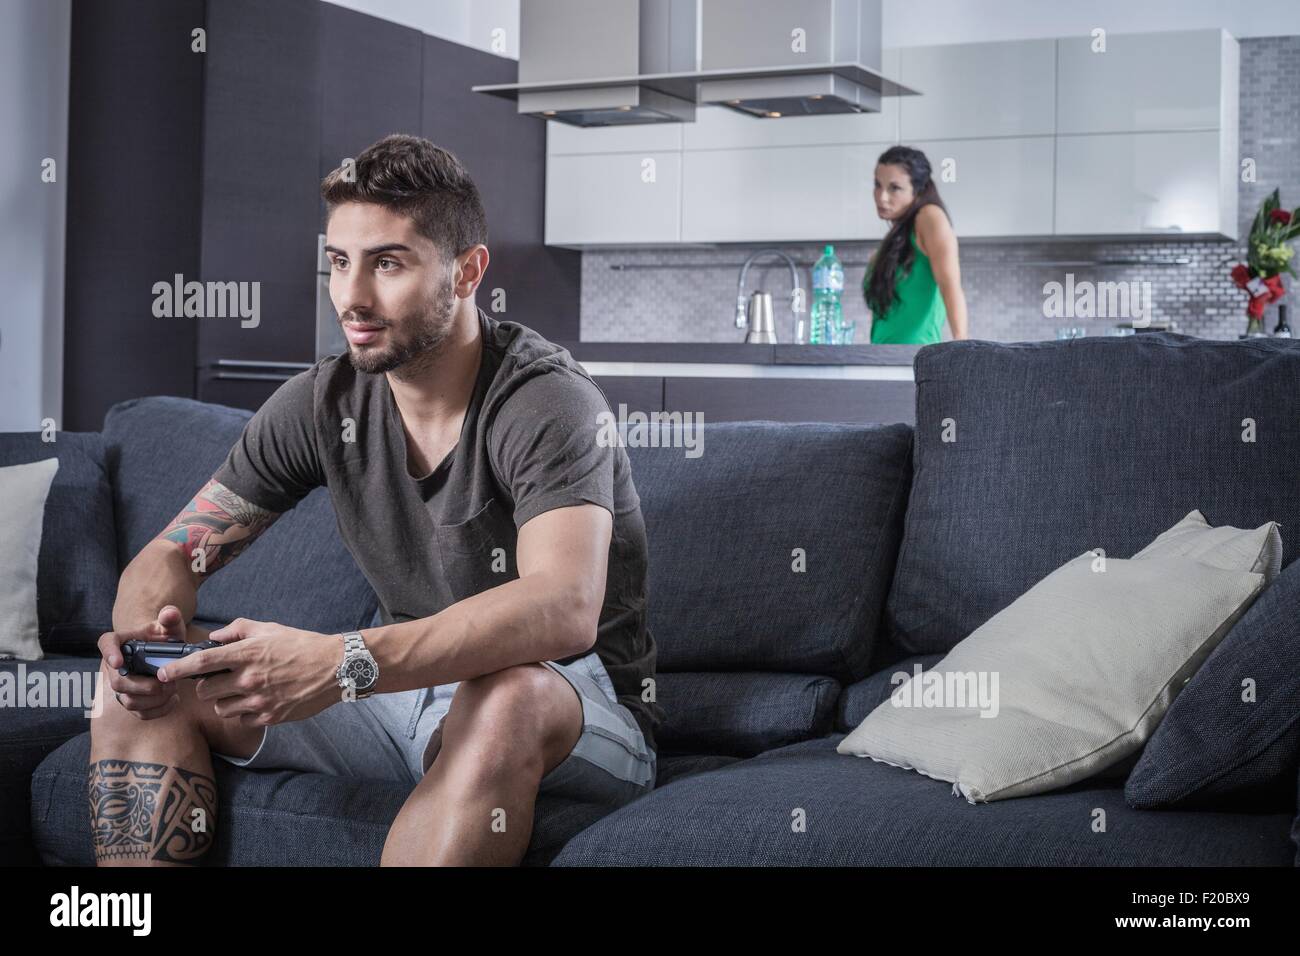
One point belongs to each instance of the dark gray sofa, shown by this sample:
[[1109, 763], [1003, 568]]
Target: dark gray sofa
[[793, 569]]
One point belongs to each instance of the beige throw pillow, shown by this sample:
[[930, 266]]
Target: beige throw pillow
[[1069, 679], [23, 490], [1254, 549]]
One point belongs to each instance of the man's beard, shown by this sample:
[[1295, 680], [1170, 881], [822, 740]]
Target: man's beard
[[428, 331]]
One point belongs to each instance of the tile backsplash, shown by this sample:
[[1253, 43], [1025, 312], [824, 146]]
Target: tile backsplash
[[688, 294]]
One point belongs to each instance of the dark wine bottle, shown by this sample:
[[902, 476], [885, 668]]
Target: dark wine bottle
[[1283, 331]]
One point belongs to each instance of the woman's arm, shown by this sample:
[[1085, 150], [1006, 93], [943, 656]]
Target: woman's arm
[[937, 240]]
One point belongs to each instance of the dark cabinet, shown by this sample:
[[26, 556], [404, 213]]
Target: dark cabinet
[[318, 83], [291, 94], [261, 155], [505, 154], [132, 170], [765, 399], [371, 73], [638, 393], [208, 165], [792, 399]]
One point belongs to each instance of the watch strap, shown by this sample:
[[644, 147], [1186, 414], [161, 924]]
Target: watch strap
[[353, 646]]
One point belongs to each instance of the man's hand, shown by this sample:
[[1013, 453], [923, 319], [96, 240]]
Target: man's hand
[[277, 673], [142, 695]]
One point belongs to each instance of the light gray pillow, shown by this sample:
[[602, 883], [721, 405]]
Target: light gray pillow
[[1254, 549], [1076, 674], [23, 490]]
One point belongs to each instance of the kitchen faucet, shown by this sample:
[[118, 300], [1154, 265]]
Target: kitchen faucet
[[796, 293]]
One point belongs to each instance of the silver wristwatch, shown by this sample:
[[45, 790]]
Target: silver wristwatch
[[358, 669]]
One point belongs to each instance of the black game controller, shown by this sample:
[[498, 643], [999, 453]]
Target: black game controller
[[145, 657]]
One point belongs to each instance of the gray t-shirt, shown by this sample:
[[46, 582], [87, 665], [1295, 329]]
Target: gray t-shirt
[[528, 444]]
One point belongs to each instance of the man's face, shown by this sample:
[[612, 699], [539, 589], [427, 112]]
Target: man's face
[[392, 290]]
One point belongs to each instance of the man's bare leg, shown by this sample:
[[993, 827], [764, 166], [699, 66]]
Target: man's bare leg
[[153, 800], [503, 733]]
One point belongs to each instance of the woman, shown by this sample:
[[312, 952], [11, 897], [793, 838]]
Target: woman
[[913, 281]]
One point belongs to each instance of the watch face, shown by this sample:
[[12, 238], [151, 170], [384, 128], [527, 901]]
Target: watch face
[[362, 671]]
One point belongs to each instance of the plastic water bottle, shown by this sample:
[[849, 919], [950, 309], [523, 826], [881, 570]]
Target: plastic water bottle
[[827, 316]]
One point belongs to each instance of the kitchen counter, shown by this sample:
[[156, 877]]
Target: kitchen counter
[[739, 352], [732, 381], [738, 360]]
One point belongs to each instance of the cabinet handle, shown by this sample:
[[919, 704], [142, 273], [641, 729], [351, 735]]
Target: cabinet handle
[[256, 376], [255, 364]]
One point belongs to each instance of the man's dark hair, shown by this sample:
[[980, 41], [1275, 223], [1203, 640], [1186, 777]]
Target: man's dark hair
[[411, 176]]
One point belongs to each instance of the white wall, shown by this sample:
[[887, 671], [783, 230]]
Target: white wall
[[468, 22], [926, 22], [34, 117]]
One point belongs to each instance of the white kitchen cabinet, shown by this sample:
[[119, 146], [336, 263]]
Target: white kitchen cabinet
[[1002, 187], [780, 194], [1048, 138], [1146, 82], [978, 90], [610, 198], [1140, 183]]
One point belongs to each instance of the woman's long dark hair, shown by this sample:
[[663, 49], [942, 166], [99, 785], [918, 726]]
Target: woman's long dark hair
[[895, 250]]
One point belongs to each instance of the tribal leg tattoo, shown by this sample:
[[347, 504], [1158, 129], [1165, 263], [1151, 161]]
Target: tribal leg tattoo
[[147, 811]]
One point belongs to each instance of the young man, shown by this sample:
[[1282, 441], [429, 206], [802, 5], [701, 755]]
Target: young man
[[505, 542]]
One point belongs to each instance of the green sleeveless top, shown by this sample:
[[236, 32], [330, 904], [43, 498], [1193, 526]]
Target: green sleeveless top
[[917, 317]]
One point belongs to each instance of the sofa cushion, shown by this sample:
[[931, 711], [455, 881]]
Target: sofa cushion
[[28, 734], [1060, 447], [742, 713], [285, 818], [299, 573], [670, 767], [861, 698], [1070, 679], [76, 581], [75, 640], [1215, 748], [805, 805], [729, 529]]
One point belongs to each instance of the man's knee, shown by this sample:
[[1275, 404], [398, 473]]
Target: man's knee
[[528, 709], [189, 715], [113, 717], [515, 695]]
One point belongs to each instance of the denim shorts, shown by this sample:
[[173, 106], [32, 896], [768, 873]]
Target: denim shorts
[[397, 736]]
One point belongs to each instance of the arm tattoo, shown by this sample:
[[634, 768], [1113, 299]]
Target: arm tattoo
[[150, 811], [219, 525]]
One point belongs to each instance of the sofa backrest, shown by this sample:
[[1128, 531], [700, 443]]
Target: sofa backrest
[[162, 450], [1029, 454], [773, 549]]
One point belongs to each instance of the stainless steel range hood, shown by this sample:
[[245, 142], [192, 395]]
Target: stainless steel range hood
[[746, 34], [622, 62], [563, 41]]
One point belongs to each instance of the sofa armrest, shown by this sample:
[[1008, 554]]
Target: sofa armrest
[[43, 704]]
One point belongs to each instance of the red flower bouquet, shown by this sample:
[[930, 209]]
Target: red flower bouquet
[[1268, 256]]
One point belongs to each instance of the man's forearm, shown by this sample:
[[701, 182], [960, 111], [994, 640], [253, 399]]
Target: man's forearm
[[156, 577], [525, 620]]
